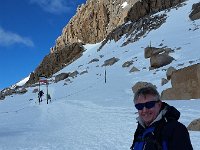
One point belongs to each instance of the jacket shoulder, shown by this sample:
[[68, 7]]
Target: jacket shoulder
[[178, 136]]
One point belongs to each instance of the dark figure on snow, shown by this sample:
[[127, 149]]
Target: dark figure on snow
[[158, 127], [40, 94]]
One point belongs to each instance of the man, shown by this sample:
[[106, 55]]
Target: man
[[40, 94], [158, 127]]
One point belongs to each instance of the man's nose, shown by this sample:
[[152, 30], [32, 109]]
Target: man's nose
[[144, 109]]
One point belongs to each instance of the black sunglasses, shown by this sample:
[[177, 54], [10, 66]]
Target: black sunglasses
[[147, 105]]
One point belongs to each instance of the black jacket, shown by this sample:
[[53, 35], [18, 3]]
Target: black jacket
[[167, 130]]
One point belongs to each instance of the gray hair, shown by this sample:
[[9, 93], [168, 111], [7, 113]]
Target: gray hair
[[146, 91]]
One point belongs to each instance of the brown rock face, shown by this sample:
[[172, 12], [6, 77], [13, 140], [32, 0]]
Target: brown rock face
[[194, 125], [185, 84], [195, 14], [160, 60], [56, 61], [141, 84], [93, 21], [145, 7]]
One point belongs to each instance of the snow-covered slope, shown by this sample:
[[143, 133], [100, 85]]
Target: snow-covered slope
[[87, 113]]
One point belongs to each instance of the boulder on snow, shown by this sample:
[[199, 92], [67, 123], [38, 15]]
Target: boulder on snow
[[185, 84], [127, 64], [61, 76], [21, 91], [134, 69], [110, 61], [164, 81], [83, 72], [140, 85], [169, 72], [94, 60], [160, 60], [150, 51], [2, 96], [194, 125], [74, 74], [195, 14], [143, 8], [35, 90]]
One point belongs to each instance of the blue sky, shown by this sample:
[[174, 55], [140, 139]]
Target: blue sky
[[28, 29]]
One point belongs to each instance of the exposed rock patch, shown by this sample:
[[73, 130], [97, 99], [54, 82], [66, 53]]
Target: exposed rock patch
[[185, 84], [150, 51], [110, 61], [169, 72], [83, 72], [160, 60], [74, 74], [139, 27], [127, 64], [134, 69], [135, 30], [158, 56], [164, 81], [195, 14], [194, 125], [93, 21], [94, 60], [61, 76], [56, 61], [146, 7], [139, 85]]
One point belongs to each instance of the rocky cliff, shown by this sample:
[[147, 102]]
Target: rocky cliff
[[97, 20], [93, 21], [91, 24]]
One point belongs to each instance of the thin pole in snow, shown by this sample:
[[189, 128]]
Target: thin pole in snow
[[105, 74], [47, 92], [38, 93]]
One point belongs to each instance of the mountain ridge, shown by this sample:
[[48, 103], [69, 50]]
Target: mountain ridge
[[165, 48], [106, 18]]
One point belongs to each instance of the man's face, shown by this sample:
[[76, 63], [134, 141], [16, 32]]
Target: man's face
[[148, 115]]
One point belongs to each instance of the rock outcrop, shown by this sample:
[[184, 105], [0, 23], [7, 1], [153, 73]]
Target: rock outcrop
[[135, 30], [140, 21], [146, 7], [10, 91], [185, 84], [93, 21], [91, 24], [61, 76], [158, 56], [195, 14], [169, 72], [194, 125], [110, 61], [160, 60], [140, 85], [56, 61]]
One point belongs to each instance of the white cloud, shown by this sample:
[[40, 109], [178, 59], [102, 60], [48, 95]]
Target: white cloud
[[53, 6], [8, 38]]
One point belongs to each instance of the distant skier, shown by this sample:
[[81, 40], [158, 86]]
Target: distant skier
[[40, 94], [158, 126]]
